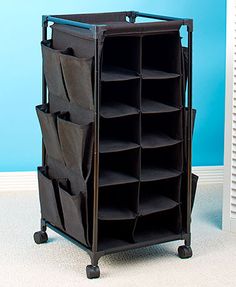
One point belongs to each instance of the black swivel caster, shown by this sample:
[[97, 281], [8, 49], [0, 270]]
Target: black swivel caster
[[40, 237], [92, 271], [185, 252]]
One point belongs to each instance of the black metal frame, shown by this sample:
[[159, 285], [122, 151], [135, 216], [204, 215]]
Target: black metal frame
[[94, 253]]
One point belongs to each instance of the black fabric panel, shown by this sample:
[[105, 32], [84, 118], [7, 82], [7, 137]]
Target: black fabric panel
[[52, 71], [186, 127], [113, 73], [78, 114], [194, 187], [77, 75], [49, 132], [152, 106], [141, 28], [75, 145], [185, 65], [80, 40], [59, 170], [96, 18], [49, 199], [72, 206], [156, 204]]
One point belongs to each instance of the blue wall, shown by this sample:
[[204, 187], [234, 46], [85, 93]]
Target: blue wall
[[20, 72]]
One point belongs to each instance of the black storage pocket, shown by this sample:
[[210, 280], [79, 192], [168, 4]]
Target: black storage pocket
[[194, 187], [77, 75], [49, 199], [49, 132], [76, 144], [72, 206], [52, 70]]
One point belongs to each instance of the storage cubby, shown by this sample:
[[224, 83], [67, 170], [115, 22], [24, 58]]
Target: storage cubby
[[118, 202], [120, 58], [119, 168], [119, 134], [113, 234], [162, 225], [161, 163], [161, 96], [160, 130], [156, 196], [120, 98], [161, 56]]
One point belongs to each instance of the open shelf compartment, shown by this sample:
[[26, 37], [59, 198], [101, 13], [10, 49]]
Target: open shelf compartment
[[161, 56], [119, 168], [119, 99], [118, 202], [118, 134], [161, 96], [161, 130], [162, 163], [157, 196], [158, 225], [119, 58], [113, 234]]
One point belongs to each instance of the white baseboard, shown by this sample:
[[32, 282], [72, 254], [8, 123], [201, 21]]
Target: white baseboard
[[27, 181], [18, 181], [209, 174]]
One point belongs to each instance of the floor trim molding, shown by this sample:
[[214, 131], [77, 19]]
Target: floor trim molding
[[27, 181], [209, 174]]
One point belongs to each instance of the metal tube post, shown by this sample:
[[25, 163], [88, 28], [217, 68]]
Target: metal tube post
[[189, 138]]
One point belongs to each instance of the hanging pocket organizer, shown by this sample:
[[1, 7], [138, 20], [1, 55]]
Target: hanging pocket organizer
[[49, 131], [77, 76], [72, 206], [49, 199], [76, 144], [65, 141], [52, 70]]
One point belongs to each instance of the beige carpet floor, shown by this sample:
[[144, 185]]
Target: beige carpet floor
[[60, 263]]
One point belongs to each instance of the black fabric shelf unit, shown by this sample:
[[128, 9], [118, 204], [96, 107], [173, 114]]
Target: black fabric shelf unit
[[115, 121]]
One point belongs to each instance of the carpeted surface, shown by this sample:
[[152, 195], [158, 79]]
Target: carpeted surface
[[60, 263]]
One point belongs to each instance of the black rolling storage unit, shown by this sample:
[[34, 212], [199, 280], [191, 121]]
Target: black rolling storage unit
[[117, 120]]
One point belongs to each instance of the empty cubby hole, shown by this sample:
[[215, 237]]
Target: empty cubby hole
[[114, 234], [160, 130], [161, 225], [162, 52], [119, 98], [118, 202], [119, 167], [122, 52], [161, 163], [119, 134], [159, 195], [161, 95]]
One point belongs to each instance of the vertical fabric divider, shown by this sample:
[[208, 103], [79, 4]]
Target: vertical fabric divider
[[140, 132]]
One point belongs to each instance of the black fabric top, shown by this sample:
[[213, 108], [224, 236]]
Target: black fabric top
[[115, 24]]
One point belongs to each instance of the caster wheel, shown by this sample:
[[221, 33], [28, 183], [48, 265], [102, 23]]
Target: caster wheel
[[40, 237], [185, 252], [92, 271]]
